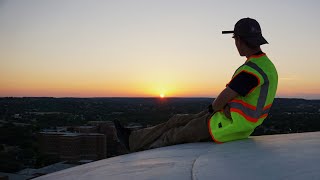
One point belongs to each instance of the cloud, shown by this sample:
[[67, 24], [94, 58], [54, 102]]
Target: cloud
[[290, 78], [287, 79]]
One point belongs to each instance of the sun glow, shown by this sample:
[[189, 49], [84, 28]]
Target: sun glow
[[162, 95]]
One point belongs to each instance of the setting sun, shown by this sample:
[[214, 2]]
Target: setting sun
[[162, 95]]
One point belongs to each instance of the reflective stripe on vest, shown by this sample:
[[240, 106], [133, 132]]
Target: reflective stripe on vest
[[248, 111]]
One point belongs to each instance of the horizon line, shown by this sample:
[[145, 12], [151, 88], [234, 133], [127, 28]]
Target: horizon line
[[134, 97]]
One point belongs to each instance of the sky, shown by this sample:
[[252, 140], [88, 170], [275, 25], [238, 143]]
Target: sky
[[144, 48]]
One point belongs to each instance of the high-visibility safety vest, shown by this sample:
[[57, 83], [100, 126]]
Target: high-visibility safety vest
[[249, 111]]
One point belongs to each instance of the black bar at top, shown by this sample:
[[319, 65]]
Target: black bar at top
[[227, 32]]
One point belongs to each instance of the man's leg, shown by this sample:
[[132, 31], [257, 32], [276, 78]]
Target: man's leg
[[194, 131], [141, 139]]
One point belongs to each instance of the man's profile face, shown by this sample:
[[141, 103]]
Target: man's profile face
[[239, 44]]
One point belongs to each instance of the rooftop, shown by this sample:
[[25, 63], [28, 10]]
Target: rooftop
[[45, 170], [286, 156]]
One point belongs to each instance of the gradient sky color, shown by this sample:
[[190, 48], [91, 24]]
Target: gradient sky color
[[142, 48]]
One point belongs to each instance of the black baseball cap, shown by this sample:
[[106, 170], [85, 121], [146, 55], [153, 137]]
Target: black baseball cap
[[249, 30]]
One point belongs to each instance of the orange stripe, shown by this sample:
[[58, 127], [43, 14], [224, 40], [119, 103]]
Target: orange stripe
[[251, 119], [255, 56], [216, 141], [264, 115], [244, 115], [249, 105], [244, 104], [267, 107]]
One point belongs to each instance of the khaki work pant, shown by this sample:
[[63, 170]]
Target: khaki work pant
[[181, 128]]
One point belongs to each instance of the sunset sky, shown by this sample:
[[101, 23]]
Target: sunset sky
[[144, 48]]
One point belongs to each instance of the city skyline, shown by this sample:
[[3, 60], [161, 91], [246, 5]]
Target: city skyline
[[149, 48]]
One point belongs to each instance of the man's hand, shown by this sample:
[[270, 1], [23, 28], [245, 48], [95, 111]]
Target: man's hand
[[210, 109], [223, 98], [226, 111]]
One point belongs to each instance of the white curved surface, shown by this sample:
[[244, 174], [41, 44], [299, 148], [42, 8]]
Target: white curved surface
[[289, 156]]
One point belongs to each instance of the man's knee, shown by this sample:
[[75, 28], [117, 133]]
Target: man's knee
[[178, 118]]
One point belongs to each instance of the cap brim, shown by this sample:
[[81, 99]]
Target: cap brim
[[227, 32], [256, 41]]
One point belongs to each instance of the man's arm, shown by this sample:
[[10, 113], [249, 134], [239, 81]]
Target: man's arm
[[241, 84], [223, 98]]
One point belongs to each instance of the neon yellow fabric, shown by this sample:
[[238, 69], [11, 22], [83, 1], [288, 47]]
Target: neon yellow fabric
[[245, 112]]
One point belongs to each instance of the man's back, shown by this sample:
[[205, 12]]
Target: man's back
[[250, 109]]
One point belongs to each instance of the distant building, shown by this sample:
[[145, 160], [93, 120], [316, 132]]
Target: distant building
[[56, 129], [107, 128], [85, 129], [70, 147], [95, 141], [93, 146], [73, 147]]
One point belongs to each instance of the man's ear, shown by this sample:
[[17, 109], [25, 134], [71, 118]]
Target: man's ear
[[239, 41]]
